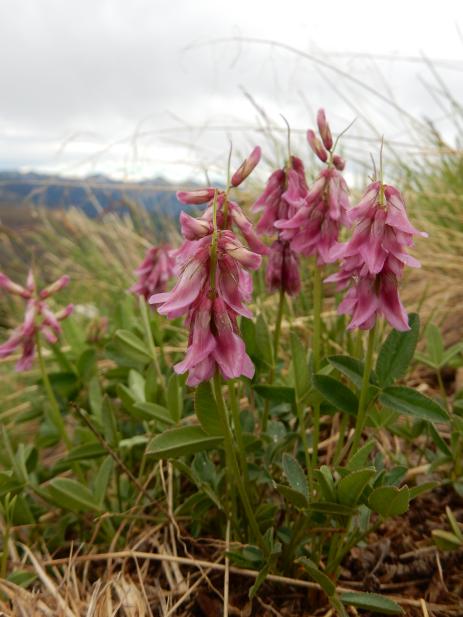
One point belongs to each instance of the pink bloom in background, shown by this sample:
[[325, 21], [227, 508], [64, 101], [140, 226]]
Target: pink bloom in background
[[211, 307], [155, 271], [374, 258], [38, 318], [314, 228], [284, 194]]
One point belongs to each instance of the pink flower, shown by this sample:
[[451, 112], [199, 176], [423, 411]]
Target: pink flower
[[314, 229], [283, 269], [212, 306], [285, 192], [374, 258], [38, 318], [154, 272]]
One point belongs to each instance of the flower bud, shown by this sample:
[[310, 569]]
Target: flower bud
[[317, 146], [54, 287], [324, 129], [339, 162], [246, 167], [200, 196]]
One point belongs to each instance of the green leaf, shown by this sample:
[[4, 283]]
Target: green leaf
[[102, 479], [371, 602], [174, 398], [451, 352], [454, 524], [206, 409], [397, 352], [446, 541], [278, 394], [434, 345], [86, 365], [22, 578], [132, 346], [351, 487], [422, 488], [264, 347], [337, 394], [335, 509], [84, 452], [326, 482], [151, 383], [389, 500], [300, 367], [152, 411], [137, 386], [412, 403], [361, 456], [352, 368], [248, 334], [182, 442], [72, 495], [295, 474], [318, 576], [292, 496]]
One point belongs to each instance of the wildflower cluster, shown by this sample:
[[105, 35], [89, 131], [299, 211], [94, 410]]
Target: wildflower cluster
[[38, 318], [214, 283]]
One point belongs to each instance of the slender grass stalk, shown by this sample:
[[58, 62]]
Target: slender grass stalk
[[363, 408], [276, 344], [316, 350], [6, 540], [235, 471], [55, 410]]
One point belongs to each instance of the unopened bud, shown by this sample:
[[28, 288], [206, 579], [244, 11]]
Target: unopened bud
[[246, 167], [317, 146], [324, 129], [54, 287], [339, 162], [200, 196]]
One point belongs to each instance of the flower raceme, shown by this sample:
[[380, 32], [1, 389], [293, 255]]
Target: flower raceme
[[212, 289], [373, 259], [314, 228], [38, 318], [284, 193], [154, 271]]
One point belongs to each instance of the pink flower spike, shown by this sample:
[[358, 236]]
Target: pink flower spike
[[55, 287], [154, 271], [246, 167], [196, 197], [13, 288], [324, 129], [65, 312], [317, 146]]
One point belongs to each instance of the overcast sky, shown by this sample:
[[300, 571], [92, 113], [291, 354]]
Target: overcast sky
[[141, 88]]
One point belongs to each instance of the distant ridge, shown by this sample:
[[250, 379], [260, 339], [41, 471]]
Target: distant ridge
[[95, 195]]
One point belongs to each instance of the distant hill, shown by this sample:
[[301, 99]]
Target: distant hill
[[95, 195]]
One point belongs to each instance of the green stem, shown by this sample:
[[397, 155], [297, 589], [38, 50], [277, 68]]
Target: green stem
[[149, 339], [276, 343], [363, 408], [316, 347], [305, 446], [234, 403], [235, 471], [56, 417]]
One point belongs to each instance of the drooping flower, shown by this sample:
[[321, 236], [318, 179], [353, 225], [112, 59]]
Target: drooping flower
[[373, 259], [314, 228], [211, 291], [284, 194], [38, 318], [154, 271]]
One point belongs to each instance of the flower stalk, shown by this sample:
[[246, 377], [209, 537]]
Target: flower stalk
[[363, 407]]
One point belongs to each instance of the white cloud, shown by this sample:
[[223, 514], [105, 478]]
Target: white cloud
[[78, 76]]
